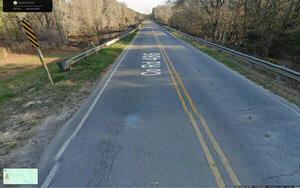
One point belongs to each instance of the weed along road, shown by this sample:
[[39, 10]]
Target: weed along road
[[168, 115]]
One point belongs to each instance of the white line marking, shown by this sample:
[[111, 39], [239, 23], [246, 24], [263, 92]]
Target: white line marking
[[253, 84], [65, 145], [50, 176], [151, 64]]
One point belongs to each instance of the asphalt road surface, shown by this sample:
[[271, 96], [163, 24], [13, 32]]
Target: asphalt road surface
[[168, 115]]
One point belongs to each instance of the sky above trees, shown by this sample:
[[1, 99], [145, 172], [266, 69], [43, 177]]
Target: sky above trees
[[142, 6]]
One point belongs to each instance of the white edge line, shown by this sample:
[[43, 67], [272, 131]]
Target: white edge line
[[65, 145], [50, 176], [260, 88]]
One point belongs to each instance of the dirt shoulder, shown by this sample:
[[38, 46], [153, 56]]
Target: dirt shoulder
[[14, 63], [31, 111]]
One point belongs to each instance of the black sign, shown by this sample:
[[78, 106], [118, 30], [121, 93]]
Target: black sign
[[27, 5]]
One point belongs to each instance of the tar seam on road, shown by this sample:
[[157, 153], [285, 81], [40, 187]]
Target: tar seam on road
[[66, 144], [216, 146]]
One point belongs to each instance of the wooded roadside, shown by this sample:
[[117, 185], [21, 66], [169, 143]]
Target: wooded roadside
[[268, 29]]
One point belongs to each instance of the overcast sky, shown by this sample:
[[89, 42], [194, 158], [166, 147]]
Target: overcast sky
[[142, 6]]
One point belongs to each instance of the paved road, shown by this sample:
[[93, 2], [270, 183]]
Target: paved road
[[168, 115]]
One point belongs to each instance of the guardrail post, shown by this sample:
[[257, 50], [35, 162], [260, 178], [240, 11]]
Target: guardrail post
[[233, 57], [251, 66], [94, 47], [279, 77]]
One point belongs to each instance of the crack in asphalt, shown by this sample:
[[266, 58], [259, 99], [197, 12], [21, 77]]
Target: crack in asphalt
[[283, 175]]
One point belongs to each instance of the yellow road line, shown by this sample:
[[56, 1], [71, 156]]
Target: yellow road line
[[204, 146], [218, 149]]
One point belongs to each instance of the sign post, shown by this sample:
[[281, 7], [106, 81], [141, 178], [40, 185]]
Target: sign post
[[34, 43]]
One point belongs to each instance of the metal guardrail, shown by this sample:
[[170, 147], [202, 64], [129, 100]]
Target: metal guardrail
[[280, 70], [66, 64]]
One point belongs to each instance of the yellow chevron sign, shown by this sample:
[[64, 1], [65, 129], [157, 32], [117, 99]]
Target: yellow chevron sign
[[30, 33]]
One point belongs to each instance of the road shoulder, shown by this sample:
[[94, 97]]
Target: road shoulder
[[26, 140]]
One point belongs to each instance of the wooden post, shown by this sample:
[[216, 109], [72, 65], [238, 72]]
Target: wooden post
[[34, 43], [44, 65]]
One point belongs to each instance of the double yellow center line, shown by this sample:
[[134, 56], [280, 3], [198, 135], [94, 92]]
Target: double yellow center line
[[200, 137]]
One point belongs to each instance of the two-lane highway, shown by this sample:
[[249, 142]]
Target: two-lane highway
[[169, 115]]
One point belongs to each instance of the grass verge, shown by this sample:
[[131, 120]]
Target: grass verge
[[285, 88], [25, 83], [27, 99]]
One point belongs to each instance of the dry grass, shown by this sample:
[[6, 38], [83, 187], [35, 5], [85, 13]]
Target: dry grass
[[13, 63]]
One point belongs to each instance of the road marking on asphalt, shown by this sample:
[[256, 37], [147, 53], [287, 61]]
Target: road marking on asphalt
[[253, 84], [151, 64], [66, 144], [219, 151], [50, 176], [151, 72], [203, 144]]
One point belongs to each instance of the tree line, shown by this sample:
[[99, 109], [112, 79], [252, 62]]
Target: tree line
[[263, 28], [69, 18]]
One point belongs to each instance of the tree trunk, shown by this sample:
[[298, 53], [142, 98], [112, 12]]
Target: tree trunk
[[7, 29], [61, 33]]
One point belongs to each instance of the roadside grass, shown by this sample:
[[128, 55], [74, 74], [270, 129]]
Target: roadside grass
[[284, 88], [27, 98], [20, 84]]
